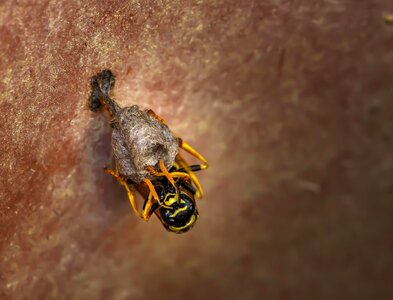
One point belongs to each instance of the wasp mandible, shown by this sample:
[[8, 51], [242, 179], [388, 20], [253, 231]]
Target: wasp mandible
[[147, 157]]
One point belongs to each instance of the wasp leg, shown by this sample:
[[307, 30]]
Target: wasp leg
[[186, 147], [168, 175], [174, 174], [152, 195], [130, 194], [183, 164], [182, 144], [155, 116], [146, 214]]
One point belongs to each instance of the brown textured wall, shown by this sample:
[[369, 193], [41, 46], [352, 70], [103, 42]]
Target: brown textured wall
[[290, 101]]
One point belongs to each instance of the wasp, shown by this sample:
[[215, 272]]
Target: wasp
[[147, 157]]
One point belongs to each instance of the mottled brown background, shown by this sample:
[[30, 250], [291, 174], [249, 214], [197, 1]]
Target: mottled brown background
[[291, 101]]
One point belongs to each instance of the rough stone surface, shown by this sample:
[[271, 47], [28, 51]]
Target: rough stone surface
[[289, 100]]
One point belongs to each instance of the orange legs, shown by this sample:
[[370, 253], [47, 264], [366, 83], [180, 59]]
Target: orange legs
[[164, 172], [130, 194], [182, 162], [186, 147], [152, 194], [155, 116]]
